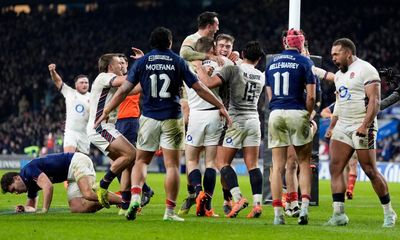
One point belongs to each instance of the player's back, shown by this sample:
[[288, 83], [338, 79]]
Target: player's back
[[287, 75], [161, 75], [55, 166], [245, 86]]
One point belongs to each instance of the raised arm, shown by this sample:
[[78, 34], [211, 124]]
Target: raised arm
[[55, 76]]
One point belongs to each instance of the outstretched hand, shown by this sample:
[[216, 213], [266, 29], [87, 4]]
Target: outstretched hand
[[52, 67], [137, 53]]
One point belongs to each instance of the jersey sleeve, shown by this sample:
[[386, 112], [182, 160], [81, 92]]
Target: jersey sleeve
[[105, 79], [319, 72], [187, 75], [133, 75], [310, 78], [66, 90], [225, 73], [31, 174], [370, 74]]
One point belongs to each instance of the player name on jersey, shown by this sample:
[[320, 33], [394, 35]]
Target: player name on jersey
[[251, 76], [277, 65]]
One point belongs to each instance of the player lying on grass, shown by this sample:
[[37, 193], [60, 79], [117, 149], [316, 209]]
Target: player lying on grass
[[41, 173]]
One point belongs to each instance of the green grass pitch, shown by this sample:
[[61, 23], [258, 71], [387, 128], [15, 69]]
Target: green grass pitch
[[365, 213]]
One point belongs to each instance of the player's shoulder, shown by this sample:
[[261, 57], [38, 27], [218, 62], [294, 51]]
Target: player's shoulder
[[364, 64]]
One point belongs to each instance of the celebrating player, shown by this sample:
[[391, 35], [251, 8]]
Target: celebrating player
[[356, 81], [161, 74]]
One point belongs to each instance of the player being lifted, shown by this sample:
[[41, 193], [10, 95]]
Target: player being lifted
[[246, 84], [358, 87], [287, 76], [161, 74]]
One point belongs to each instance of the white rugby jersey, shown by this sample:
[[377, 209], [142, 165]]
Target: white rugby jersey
[[196, 102], [101, 94], [319, 72], [351, 101], [245, 86], [77, 108]]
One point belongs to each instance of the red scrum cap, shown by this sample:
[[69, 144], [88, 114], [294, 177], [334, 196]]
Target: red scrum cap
[[294, 39]]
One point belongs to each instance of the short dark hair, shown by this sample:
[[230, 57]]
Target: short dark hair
[[224, 36], [204, 44], [206, 18], [346, 43], [80, 76], [160, 38], [253, 51], [6, 180], [105, 60]]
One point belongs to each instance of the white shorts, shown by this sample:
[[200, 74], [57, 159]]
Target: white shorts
[[204, 128], [154, 133], [79, 140], [244, 133], [288, 127], [81, 166], [103, 136], [356, 142]]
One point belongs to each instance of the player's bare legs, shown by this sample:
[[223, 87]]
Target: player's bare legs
[[81, 205], [340, 154], [227, 206], [251, 160], [279, 156], [172, 180], [123, 153], [138, 177], [231, 180], [304, 156], [367, 159], [209, 179], [351, 176], [292, 184]]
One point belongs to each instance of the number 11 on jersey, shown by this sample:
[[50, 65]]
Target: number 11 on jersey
[[277, 84]]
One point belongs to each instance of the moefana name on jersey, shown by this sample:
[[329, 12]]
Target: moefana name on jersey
[[277, 65], [164, 67]]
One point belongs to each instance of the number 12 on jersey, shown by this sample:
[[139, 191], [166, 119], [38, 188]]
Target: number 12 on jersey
[[163, 91], [277, 84]]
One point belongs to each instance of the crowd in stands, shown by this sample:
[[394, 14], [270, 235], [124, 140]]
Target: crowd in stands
[[31, 107]]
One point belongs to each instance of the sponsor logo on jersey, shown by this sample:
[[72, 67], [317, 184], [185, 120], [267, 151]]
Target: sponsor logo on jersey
[[79, 108]]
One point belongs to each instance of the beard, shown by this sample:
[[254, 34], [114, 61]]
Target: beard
[[344, 69]]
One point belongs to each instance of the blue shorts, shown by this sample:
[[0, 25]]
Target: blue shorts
[[129, 128]]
